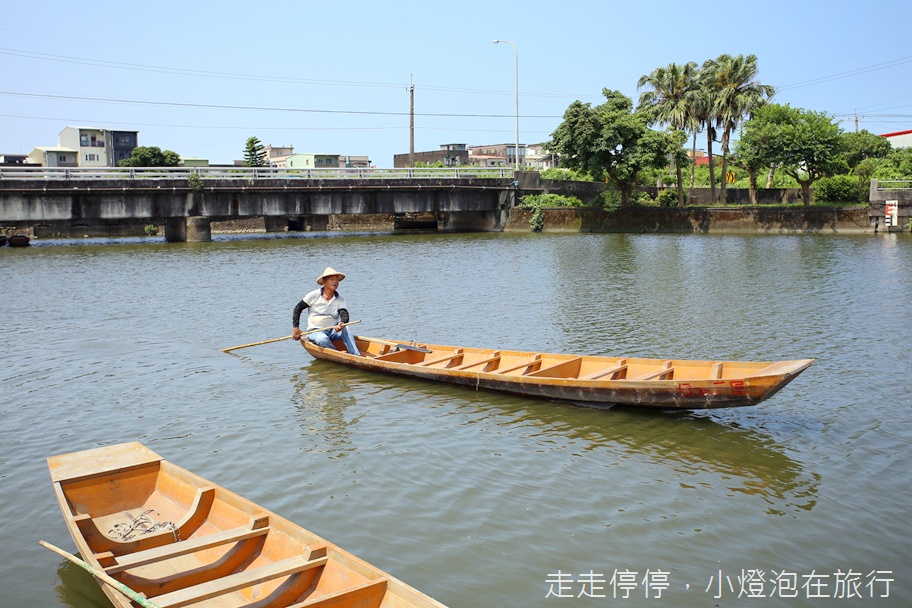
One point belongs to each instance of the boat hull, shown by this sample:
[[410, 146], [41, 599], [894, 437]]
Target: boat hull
[[184, 541], [590, 381]]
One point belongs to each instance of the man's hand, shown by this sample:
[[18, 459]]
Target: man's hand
[[296, 333]]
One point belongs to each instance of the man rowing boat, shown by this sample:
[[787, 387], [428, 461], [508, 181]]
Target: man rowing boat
[[326, 311]]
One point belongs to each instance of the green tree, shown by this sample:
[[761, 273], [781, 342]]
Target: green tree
[[254, 153], [151, 156], [703, 117], [863, 145], [897, 165], [669, 102], [750, 159], [735, 94], [806, 145], [609, 140]]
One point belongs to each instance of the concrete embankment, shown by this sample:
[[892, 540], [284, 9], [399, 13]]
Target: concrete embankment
[[743, 220]]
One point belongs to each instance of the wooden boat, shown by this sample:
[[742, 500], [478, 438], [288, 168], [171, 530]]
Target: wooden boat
[[184, 541], [18, 240], [3, 240], [592, 381]]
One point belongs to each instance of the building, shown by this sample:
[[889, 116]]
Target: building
[[900, 139], [496, 155], [354, 162], [312, 161], [276, 156], [450, 155], [96, 147], [15, 160], [54, 156], [537, 157]]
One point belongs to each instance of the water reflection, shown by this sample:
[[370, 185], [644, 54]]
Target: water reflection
[[76, 588], [321, 401], [703, 453]]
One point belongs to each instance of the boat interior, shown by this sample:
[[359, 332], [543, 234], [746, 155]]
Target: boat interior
[[570, 367], [164, 532]]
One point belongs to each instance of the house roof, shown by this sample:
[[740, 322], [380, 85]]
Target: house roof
[[897, 133]]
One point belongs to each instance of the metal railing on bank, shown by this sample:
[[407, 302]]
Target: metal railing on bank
[[894, 184], [249, 173]]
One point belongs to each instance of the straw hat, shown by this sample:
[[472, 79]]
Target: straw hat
[[328, 273]]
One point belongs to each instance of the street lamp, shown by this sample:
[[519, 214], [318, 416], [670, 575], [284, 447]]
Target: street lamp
[[516, 55]]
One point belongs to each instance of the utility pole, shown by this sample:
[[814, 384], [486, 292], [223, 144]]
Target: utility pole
[[411, 122]]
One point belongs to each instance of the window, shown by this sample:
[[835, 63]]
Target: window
[[91, 157]]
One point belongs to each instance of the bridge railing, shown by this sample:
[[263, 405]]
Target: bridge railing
[[248, 173]]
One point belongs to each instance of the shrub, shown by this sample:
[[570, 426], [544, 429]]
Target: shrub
[[550, 200], [837, 189], [565, 174], [610, 200], [669, 198], [195, 182]]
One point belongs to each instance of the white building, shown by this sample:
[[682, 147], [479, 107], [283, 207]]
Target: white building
[[96, 147], [900, 139]]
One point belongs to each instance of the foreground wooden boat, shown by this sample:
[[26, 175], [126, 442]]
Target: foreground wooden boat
[[184, 541], [590, 381]]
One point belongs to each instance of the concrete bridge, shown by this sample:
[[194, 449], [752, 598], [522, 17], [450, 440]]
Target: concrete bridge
[[69, 202]]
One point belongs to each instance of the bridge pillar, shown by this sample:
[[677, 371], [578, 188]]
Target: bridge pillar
[[275, 223], [199, 230], [188, 230], [176, 230]]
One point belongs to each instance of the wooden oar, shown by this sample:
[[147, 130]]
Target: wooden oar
[[228, 350], [139, 598]]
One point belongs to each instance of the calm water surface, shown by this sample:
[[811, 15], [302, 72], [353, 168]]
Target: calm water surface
[[482, 499]]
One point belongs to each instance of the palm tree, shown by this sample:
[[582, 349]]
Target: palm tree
[[736, 94], [669, 102], [702, 108]]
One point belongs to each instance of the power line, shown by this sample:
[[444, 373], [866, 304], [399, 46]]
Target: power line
[[208, 106], [840, 75], [134, 67], [131, 125]]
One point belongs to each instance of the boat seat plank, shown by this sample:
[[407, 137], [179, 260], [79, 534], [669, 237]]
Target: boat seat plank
[[543, 372], [450, 357], [99, 461], [184, 547], [354, 596], [535, 360], [667, 369], [715, 371], [240, 580], [465, 366], [605, 372]]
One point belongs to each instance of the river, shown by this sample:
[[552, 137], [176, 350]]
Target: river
[[482, 499]]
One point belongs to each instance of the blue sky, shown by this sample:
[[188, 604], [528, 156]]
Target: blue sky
[[200, 78]]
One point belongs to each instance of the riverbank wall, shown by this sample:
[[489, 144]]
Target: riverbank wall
[[735, 220]]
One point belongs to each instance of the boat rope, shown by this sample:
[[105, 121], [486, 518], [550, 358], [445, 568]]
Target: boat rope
[[144, 524]]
